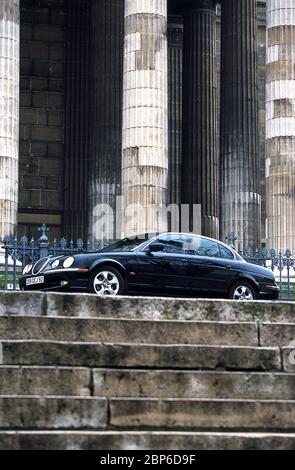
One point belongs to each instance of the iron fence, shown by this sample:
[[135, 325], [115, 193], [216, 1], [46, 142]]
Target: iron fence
[[18, 253]]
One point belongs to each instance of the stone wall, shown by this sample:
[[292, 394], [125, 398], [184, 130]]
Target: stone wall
[[41, 115]]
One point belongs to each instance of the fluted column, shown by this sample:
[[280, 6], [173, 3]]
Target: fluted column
[[280, 124], [77, 119], [107, 24], [200, 159], [240, 188], [175, 59], [9, 115], [145, 121]]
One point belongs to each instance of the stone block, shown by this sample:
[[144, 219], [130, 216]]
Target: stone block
[[53, 182], [35, 198], [25, 98], [51, 199], [26, 67], [34, 182], [50, 167], [39, 84], [46, 381], [26, 32], [52, 413], [56, 118], [288, 355], [24, 132], [202, 414], [55, 150], [48, 33], [56, 85], [35, 15], [38, 149], [188, 384], [28, 166], [47, 134], [57, 52], [33, 116], [24, 199], [46, 68], [24, 149], [34, 50], [279, 334], [48, 100]]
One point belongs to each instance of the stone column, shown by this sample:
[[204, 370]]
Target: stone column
[[175, 60], [145, 121], [107, 24], [77, 119], [200, 159], [9, 115], [280, 125], [240, 189]]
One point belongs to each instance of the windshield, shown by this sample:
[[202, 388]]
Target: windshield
[[127, 244]]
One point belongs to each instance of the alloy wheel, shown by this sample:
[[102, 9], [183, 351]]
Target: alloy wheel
[[243, 293], [106, 283]]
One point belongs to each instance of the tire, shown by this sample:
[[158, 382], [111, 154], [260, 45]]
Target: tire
[[242, 291], [107, 281]]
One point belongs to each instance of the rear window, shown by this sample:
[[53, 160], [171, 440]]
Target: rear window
[[225, 253]]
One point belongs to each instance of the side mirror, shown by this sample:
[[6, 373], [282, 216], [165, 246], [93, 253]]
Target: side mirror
[[155, 248]]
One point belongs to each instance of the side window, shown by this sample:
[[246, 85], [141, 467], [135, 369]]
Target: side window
[[225, 253], [172, 244], [203, 247]]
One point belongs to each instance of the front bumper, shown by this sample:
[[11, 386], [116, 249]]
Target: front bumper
[[57, 280], [269, 293]]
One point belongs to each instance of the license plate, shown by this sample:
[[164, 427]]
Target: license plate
[[35, 280]]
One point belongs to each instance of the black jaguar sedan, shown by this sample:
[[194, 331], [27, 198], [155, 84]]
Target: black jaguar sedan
[[170, 263]]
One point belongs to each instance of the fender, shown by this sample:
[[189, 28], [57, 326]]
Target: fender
[[245, 276], [109, 262]]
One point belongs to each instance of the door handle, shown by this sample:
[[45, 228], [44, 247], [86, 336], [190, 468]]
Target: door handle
[[228, 267]]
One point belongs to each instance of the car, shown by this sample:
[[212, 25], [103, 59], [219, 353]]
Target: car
[[169, 263]]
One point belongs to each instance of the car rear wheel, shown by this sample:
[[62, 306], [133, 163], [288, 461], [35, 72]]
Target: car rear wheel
[[107, 281], [242, 291]]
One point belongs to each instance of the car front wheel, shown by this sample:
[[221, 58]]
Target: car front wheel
[[242, 291], [107, 281]]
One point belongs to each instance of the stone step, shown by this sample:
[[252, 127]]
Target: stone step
[[180, 384], [128, 331], [50, 353], [64, 381], [143, 440], [279, 334], [72, 413], [61, 381], [151, 308], [202, 414]]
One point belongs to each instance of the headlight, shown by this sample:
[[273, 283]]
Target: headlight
[[68, 262], [27, 269], [55, 264]]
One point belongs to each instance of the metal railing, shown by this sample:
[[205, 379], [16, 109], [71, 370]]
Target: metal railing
[[18, 253]]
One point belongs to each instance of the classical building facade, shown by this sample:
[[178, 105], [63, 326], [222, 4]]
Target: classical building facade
[[127, 106]]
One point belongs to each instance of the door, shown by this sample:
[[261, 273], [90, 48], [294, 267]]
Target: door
[[212, 268], [163, 270]]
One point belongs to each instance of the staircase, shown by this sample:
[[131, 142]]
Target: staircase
[[79, 372]]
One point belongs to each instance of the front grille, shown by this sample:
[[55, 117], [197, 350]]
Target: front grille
[[39, 265]]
